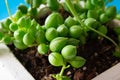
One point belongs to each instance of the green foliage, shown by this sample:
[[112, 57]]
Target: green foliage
[[13, 27], [69, 21], [77, 62], [62, 30], [57, 44], [53, 20], [40, 37], [23, 8], [19, 44], [51, 33], [59, 35], [111, 11], [53, 4], [28, 39], [43, 48], [1, 35], [69, 52], [56, 59], [76, 31]]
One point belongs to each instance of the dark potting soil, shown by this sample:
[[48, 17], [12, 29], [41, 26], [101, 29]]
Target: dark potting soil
[[98, 53]]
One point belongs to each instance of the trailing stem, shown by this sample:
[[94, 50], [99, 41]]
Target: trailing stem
[[62, 70], [8, 9], [71, 8], [60, 75]]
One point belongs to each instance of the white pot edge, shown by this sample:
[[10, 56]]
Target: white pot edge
[[112, 73], [10, 67]]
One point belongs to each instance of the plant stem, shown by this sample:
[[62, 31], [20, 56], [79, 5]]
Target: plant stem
[[8, 9], [70, 6], [63, 68], [104, 36]]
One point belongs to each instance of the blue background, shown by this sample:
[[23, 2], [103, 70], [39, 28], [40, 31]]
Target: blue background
[[13, 7], [115, 3], [14, 3]]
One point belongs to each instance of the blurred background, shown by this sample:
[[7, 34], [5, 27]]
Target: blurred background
[[14, 3], [13, 7]]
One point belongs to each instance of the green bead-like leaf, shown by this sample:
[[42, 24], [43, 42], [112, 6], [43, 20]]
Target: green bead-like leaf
[[43, 48], [57, 44], [103, 29], [21, 22], [76, 31], [91, 22], [32, 12], [62, 30], [19, 44], [36, 3], [51, 33], [28, 23], [69, 52], [89, 5], [111, 11], [6, 24], [77, 62], [69, 21], [104, 18], [73, 41], [53, 4], [53, 20], [28, 39], [23, 8], [92, 14], [83, 16], [13, 27], [7, 39], [40, 37], [98, 3], [18, 14], [56, 59], [18, 34], [24, 22]]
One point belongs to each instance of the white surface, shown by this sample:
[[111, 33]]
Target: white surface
[[10, 67], [4, 74], [111, 74]]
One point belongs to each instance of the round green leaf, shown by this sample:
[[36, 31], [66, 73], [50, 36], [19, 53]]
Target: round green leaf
[[28, 39], [43, 48], [57, 44], [77, 62], [13, 27], [76, 31], [51, 33], [69, 52], [56, 59]]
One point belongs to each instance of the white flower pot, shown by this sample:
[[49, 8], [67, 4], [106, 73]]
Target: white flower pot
[[12, 69]]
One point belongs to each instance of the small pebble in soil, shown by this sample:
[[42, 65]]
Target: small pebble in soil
[[69, 73], [84, 68]]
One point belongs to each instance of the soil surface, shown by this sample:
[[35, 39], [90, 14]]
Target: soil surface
[[97, 51]]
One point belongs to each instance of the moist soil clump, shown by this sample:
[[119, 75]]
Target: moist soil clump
[[98, 53]]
